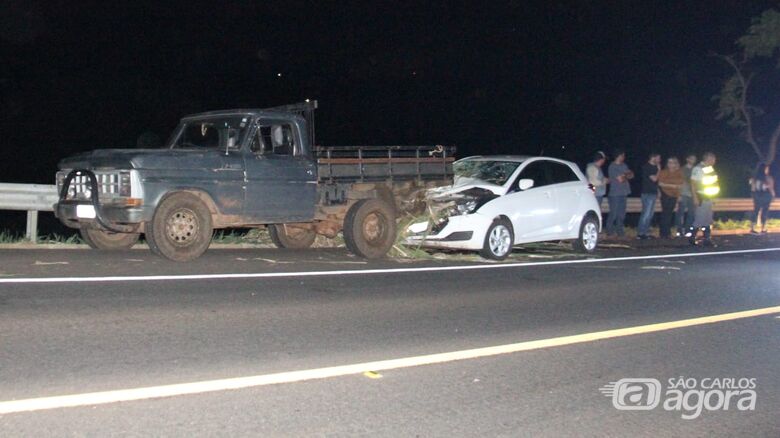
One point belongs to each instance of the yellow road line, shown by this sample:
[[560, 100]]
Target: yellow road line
[[103, 397]]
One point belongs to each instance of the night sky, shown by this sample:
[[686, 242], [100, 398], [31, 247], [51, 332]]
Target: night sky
[[488, 77]]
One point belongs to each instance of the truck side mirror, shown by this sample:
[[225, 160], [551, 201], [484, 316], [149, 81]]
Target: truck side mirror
[[525, 184]]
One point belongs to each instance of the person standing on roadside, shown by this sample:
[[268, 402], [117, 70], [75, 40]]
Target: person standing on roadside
[[704, 182], [670, 180], [596, 176], [619, 189], [649, 194], [762, 188], [685, 208]]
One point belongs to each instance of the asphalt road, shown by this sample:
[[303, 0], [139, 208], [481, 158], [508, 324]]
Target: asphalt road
[[73, 337]]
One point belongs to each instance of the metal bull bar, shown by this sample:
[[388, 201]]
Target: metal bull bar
[[94, 198]]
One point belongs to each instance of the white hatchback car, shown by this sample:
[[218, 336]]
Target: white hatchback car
[[500, 201]]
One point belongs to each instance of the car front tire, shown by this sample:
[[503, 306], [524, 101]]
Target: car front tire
[[498, 240]]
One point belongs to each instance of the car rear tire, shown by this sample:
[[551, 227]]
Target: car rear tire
[[498, 240], [180, 229], [291, 237], [369, 228], [588, 238], [106, 240]]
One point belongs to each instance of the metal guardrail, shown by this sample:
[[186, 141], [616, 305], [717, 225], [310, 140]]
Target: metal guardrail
[[41, 197], [31, 198], [634, 205]]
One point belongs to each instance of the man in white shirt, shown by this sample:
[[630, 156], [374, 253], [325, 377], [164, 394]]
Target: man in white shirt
[[596, 175]]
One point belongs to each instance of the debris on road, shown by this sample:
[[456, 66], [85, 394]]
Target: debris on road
[[661, 268]]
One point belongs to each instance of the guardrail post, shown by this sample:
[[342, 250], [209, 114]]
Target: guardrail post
[[32, 226]]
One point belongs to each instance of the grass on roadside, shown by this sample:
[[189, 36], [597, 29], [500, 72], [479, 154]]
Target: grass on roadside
[[48, 239], [731, 224]]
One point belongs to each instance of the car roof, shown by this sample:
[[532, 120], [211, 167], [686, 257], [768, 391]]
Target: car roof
[[513, 158]]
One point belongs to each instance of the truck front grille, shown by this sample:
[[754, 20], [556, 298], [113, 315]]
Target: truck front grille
[[110, 185]]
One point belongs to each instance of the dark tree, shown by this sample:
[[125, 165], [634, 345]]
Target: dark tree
[[756, 48]]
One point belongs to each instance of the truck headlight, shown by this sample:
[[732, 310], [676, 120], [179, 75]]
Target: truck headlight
[[125, 186]]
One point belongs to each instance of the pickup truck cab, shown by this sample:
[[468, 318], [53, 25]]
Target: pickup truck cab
[[246, 168]]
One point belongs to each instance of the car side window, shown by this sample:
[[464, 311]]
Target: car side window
[[537, 171], [561, 173]]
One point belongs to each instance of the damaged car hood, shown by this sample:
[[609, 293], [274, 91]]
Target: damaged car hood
[[464, 189]]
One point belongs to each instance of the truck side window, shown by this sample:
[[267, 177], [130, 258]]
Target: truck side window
[[261, 143], [274, 139], [282, 140]]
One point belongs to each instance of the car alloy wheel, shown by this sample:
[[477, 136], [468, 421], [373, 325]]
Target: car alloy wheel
[[500, 240], [590, 236]]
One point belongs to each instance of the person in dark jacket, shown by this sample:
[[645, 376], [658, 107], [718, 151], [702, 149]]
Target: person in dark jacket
[[762, 188], [619, 189], [649, 194]]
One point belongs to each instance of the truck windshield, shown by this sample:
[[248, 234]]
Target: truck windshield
[[212, 132], [483, 171]]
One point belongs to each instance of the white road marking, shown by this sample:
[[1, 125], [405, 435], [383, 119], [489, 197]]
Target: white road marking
[[366, 271], [152, 392]]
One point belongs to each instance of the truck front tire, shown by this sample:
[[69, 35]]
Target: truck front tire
[[180, 229], [291, 237], [106, 240], [369, 228]]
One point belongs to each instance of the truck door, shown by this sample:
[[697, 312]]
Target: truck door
[[281, 183]]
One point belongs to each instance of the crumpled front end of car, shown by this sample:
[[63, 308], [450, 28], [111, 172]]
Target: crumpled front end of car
[[453, 220]]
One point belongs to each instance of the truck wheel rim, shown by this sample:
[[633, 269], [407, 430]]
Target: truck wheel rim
[[590, 236], [499, 240], [182, 226], [374, 228]]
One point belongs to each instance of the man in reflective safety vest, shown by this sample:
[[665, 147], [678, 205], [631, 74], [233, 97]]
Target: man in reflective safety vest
[[704, 182]]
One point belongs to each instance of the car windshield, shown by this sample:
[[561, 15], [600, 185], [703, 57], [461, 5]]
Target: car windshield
[[483, 171], [213, 132]]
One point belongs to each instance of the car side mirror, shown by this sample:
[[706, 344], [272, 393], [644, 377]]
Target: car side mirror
[[525, 184]]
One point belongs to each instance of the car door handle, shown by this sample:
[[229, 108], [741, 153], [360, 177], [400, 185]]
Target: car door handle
[[230, 167], [548, 194]]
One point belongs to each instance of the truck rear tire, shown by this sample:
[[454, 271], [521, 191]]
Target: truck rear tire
[[106, 240], [369, 228], [180, 229], [291, 237]]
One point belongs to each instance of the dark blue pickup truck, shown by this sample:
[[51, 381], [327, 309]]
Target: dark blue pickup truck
[[246, 168]]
